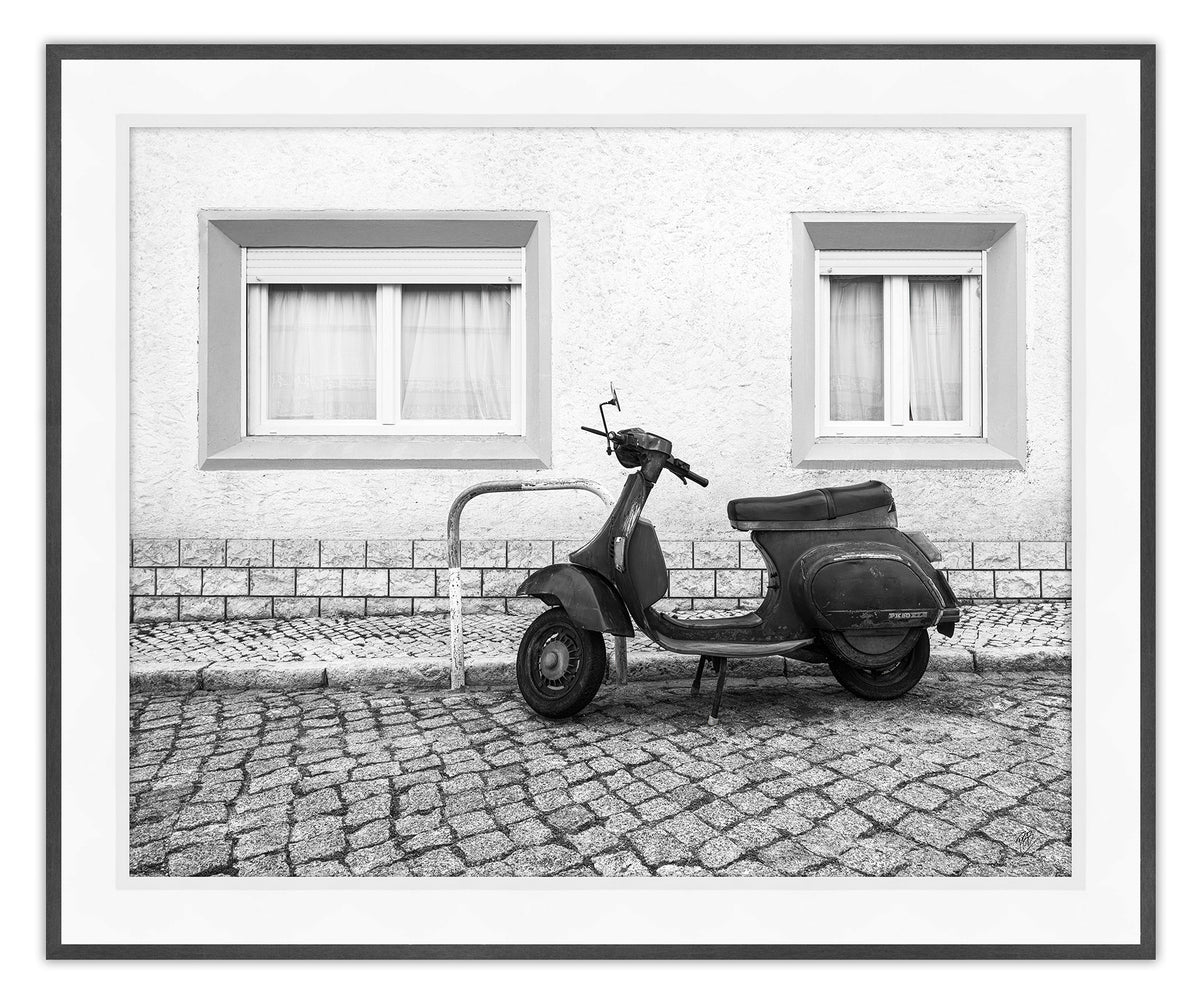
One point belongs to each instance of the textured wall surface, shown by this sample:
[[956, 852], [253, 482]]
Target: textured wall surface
[[670, 263]]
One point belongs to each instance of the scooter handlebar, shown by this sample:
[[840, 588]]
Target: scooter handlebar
[[681, 469]]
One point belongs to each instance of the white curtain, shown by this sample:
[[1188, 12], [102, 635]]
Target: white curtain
[[454, 345], [855, 349], [936, 340], [321, 352]]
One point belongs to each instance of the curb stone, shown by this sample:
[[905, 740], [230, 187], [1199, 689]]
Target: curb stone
[[951, 660], [149, 677], [351, 674], [1022, 658], [263, 676], [423, 674]]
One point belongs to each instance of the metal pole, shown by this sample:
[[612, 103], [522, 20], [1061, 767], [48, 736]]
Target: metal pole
[[454, 563]]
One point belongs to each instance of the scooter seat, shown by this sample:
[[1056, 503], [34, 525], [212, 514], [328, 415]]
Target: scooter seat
[[811, 506]]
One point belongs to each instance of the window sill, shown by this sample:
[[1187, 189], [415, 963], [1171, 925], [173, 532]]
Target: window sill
[[853, 452], [362, 452]]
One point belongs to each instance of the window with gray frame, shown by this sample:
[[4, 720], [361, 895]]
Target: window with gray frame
[[345, 340], [908, 341]]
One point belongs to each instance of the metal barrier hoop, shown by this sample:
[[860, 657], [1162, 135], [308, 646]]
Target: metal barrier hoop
[[454, 562]]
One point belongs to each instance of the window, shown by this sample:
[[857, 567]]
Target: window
[[384, 341], [900, 343], [337, 339], [908, 341]]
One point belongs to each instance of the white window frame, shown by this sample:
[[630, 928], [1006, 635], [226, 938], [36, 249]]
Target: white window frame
[[359, 266], [895, 267]]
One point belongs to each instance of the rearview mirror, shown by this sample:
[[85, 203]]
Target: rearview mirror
[[605, 404]]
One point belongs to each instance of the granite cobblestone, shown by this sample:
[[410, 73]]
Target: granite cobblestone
[[968, 775]]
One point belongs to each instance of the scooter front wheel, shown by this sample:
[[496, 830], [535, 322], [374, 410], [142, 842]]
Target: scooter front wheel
[[560, 665], [887, 682]]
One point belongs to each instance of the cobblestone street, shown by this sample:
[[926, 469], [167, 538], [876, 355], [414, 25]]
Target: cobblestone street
[[968, 775]]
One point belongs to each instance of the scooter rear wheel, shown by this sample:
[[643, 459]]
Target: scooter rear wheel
[[887, 682], [560, 665]]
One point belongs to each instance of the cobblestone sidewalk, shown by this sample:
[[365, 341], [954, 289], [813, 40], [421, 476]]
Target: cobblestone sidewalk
[[967, 775], [312, 652]]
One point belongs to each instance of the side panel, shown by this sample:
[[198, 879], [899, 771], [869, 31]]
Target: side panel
[[783, 551], [864, 587], [591, 602]]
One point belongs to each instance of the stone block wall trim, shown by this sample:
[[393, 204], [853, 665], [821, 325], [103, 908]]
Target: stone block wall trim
[[389, 554], [201, 578], [141, 582], [297, 553], [1056, 585], [247, 553], [343, 553], [202, 551], [248, 607], [995, 554], [1044, 554]]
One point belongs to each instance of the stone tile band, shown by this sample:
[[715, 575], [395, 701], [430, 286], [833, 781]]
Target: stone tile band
[[217, 578]]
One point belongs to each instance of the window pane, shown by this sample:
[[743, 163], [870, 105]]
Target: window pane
[[321, 352], [936, 340], [856, 349], [454, 352]]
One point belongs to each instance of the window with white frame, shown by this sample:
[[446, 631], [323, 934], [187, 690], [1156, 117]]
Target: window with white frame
[[900, 343], [384, 341]]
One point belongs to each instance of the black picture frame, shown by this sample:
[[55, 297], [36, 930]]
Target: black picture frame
[[58, 54]]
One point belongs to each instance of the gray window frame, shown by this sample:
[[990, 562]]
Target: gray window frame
[[1002, 236], [223, 442]]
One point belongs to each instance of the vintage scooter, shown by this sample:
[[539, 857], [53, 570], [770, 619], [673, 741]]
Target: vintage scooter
[[845, 587]]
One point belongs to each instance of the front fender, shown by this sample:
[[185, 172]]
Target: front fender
[[590, 601]]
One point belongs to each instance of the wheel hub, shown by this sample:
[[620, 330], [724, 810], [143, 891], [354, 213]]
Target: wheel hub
[[554, 660]]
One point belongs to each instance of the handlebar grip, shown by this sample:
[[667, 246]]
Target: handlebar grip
[[682, 469], [586, 428]]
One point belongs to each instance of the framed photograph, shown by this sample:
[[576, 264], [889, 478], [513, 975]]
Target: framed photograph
[[696, 500]]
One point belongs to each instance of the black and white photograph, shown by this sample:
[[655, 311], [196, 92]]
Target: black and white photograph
[[815, 619], [619, 500]]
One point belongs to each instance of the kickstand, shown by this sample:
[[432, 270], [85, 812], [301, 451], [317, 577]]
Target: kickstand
[[719, 664], [699, 673]]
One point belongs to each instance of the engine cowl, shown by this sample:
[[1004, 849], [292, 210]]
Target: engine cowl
[[866, 587]]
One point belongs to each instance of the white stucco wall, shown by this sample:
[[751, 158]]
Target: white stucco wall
[[671, 270]]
